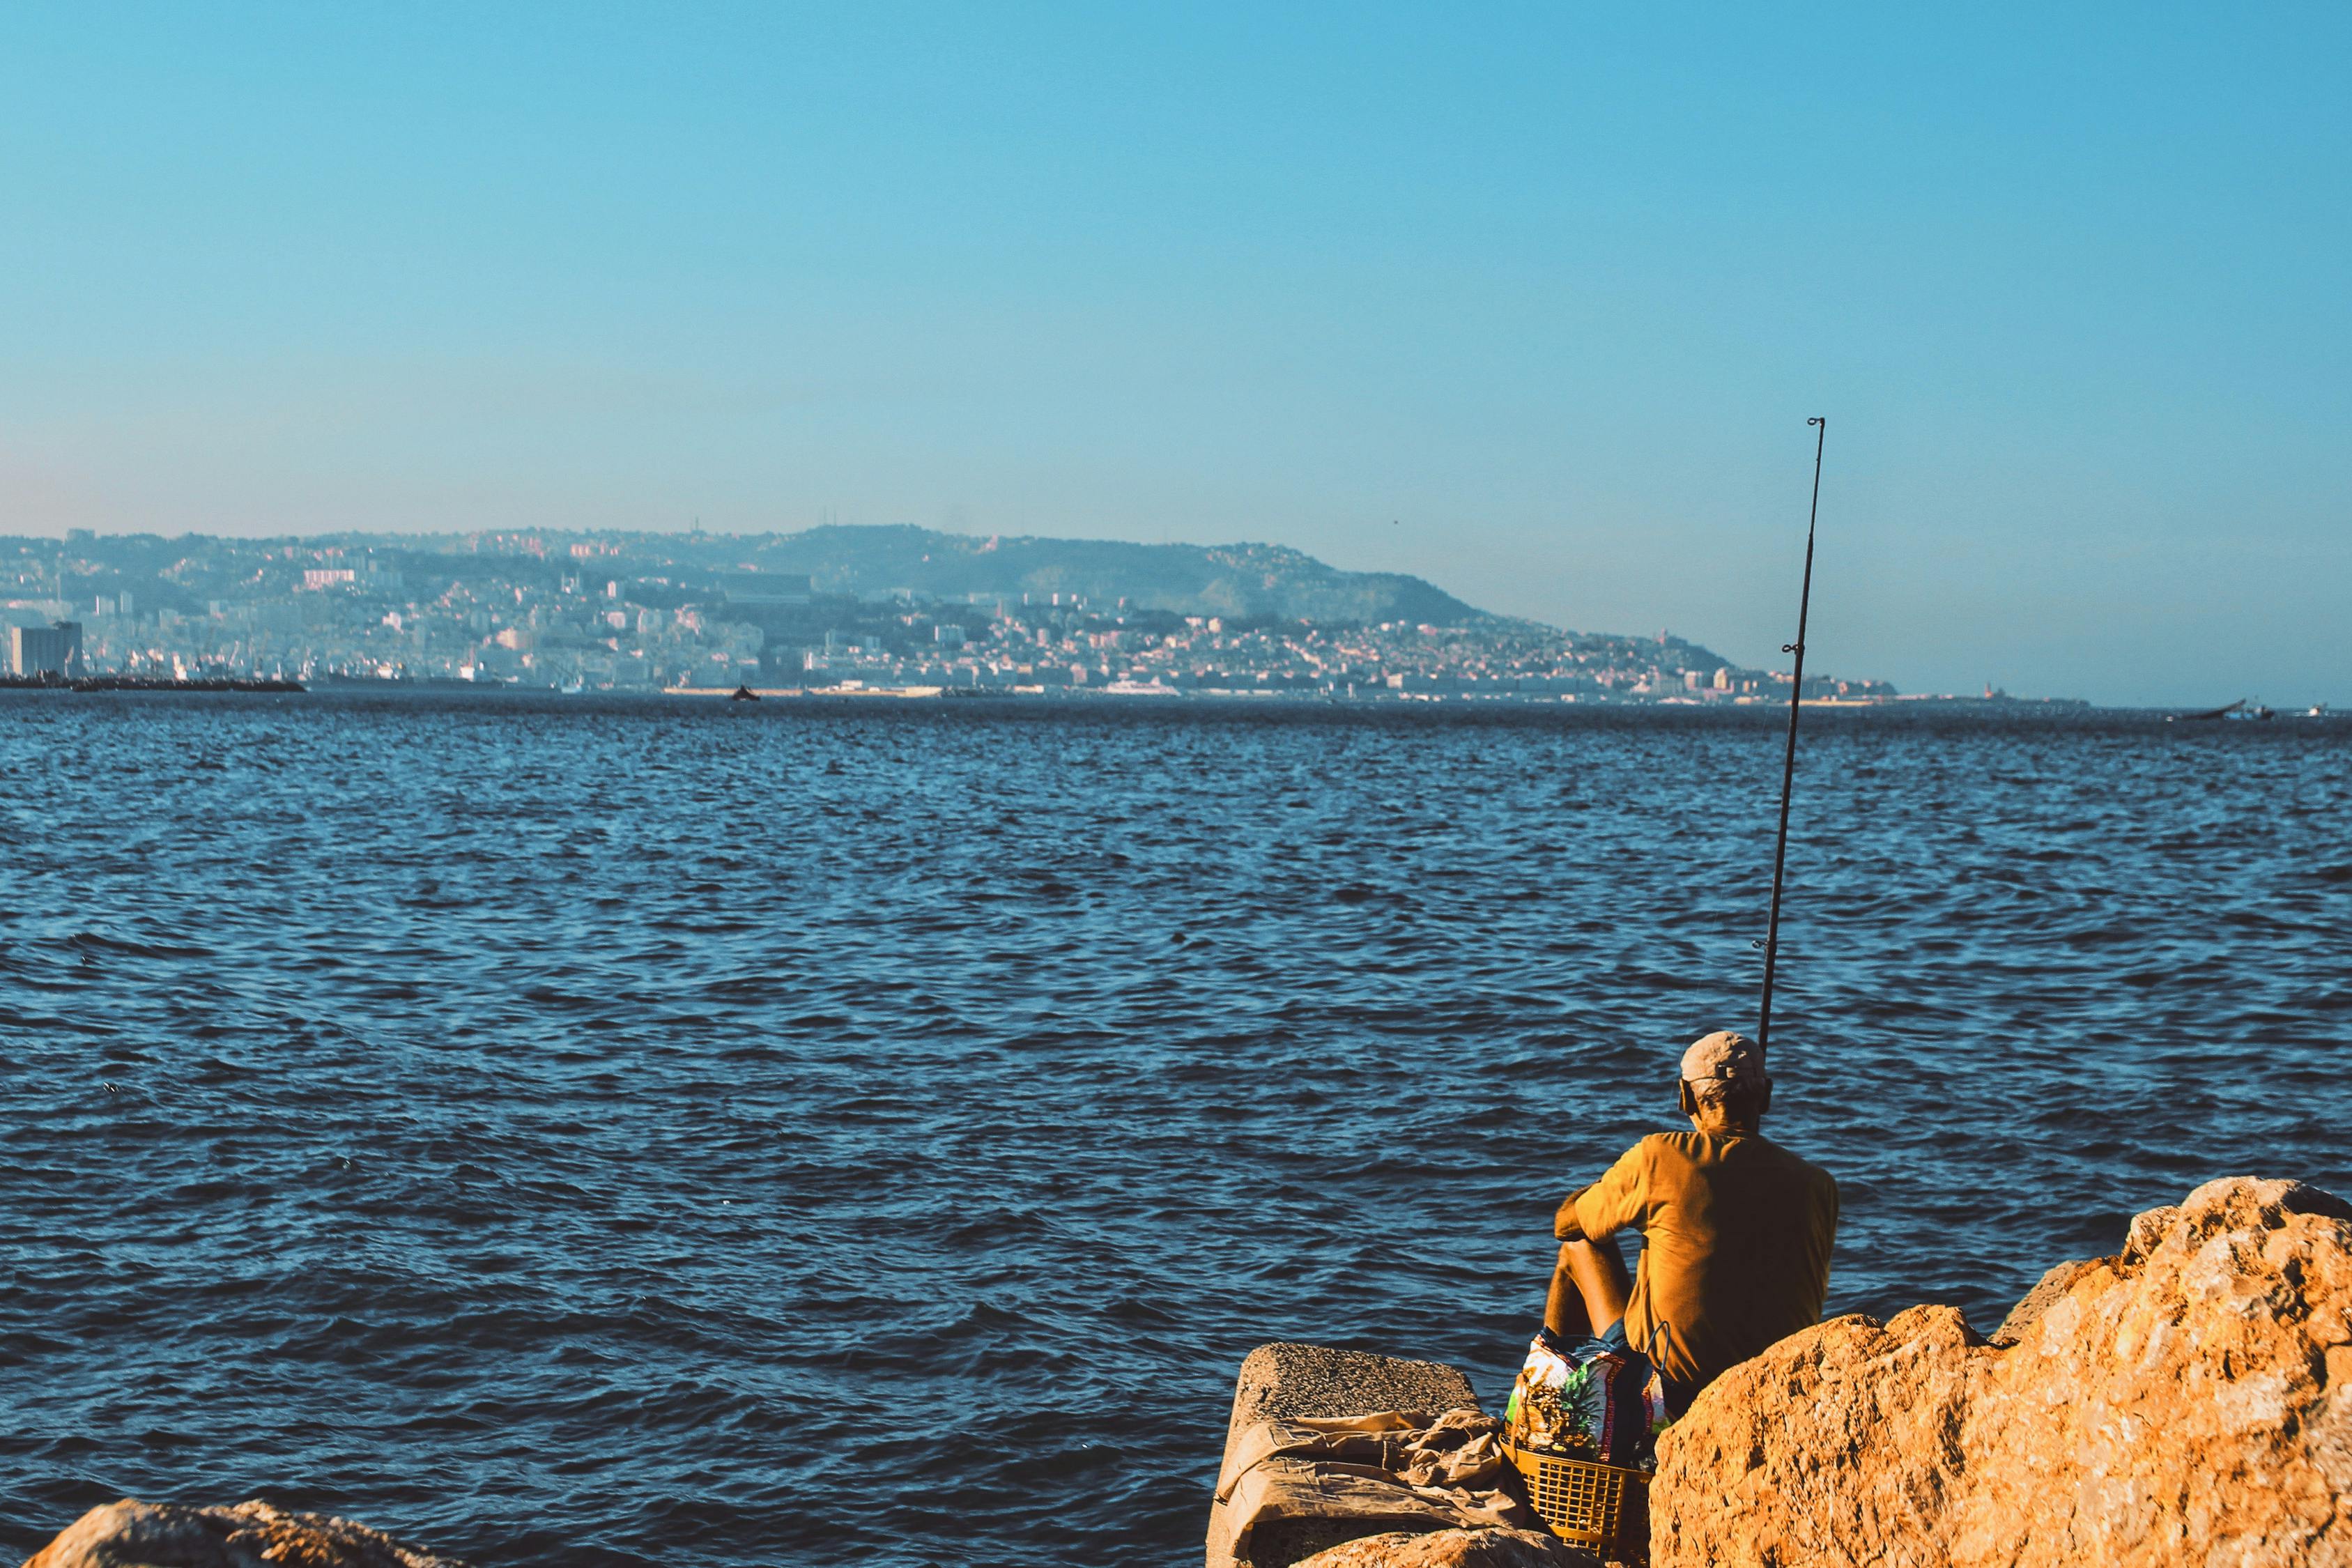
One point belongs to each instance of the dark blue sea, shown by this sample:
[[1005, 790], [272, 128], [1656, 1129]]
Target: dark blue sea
[[585, 1133]]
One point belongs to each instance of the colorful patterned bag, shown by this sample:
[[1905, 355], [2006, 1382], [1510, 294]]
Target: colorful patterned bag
[[1587, 1399]]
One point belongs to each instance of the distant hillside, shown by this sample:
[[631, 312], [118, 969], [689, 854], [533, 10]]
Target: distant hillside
[[1255, 581]]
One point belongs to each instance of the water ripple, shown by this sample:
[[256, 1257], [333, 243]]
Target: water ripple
[[616, 1132]]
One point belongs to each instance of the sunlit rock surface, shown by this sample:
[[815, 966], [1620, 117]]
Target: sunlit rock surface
[[251, 1535], [2189, 1401], [1455, 1549]]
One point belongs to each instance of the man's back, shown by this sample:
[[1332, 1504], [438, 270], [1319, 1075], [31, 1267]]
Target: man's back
[[1738, 1233]]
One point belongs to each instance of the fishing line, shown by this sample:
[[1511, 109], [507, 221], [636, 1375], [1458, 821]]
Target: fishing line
[[1788, 762]]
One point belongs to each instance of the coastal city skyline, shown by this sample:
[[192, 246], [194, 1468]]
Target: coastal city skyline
[[878, 609], [67, 602]]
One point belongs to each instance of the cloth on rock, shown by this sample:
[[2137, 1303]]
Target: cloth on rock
[[1390, 1470]]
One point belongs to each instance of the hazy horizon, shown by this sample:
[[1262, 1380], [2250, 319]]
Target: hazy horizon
[[1760, 658], [1533, 309]]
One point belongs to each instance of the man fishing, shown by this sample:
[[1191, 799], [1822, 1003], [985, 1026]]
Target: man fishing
[[1736, 1230]]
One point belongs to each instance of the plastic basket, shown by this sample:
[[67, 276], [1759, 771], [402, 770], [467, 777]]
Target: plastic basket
[[1588, 1504]]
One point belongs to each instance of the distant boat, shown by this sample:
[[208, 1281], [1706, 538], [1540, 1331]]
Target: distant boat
[[2208, 714], [572, 687], [744, 694]]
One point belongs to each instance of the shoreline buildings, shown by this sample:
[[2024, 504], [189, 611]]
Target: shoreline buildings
[[657, 612], [51, 651]]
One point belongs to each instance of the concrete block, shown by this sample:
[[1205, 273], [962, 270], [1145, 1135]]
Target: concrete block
[[1288, 1379]]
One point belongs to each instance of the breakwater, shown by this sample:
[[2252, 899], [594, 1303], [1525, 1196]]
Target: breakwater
[[144, 683]]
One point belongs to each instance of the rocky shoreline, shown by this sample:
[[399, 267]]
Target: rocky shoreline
[[2186, 1401], [129, 1535]]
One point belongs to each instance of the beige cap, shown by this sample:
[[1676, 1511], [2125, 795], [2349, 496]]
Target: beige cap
[[1723, 1055]]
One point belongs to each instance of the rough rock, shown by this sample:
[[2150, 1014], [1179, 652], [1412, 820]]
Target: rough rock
[[129, 1535], [2189, 1401], [2050, 1291], [1286, 1379], [1456, 1549]]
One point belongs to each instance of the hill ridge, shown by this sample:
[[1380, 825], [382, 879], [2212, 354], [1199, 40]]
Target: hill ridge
[[1243, 579]]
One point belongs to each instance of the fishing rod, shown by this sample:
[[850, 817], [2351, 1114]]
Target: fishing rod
[[1789, 764]]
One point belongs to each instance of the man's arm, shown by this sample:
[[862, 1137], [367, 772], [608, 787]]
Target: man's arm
[[1617, 1200]]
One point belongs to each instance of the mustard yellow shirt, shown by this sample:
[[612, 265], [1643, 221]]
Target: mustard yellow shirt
[[1736, 1234]]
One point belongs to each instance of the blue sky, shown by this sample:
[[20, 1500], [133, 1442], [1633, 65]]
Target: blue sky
[[1531, 302]]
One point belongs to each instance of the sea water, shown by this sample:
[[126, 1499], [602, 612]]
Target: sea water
[[602, 1131]]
